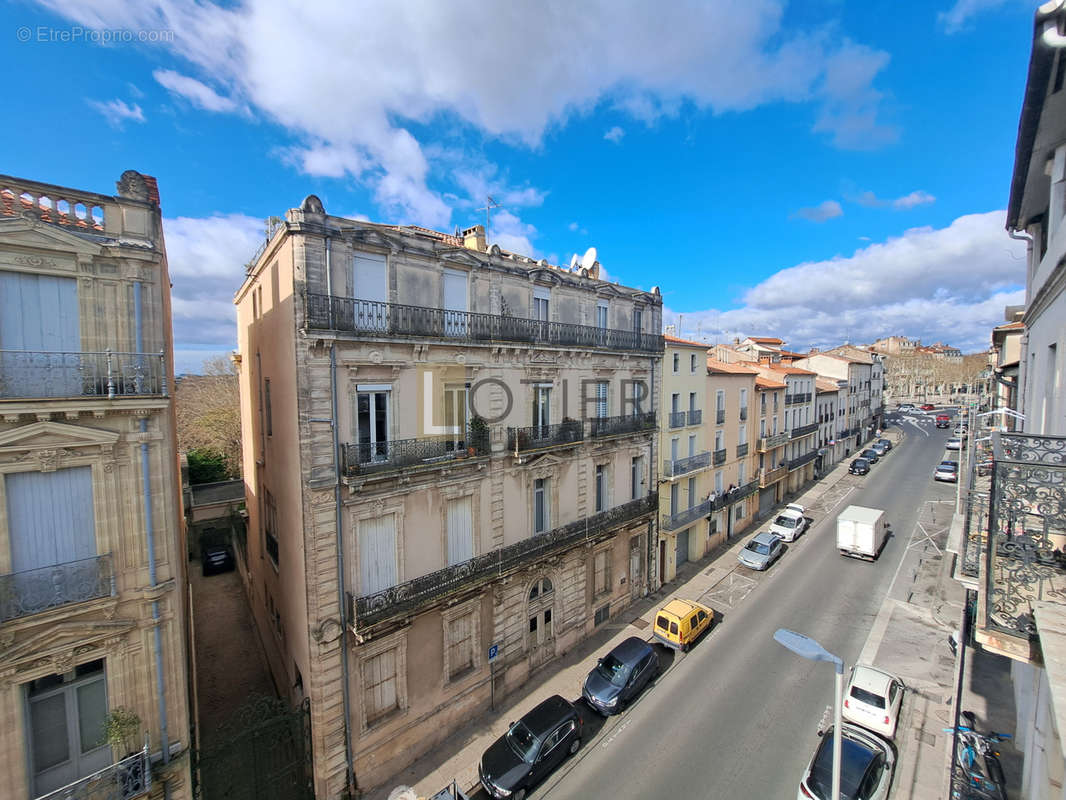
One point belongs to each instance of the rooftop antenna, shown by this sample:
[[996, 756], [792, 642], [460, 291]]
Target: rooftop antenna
[[490, 204]]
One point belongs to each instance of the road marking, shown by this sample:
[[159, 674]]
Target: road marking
[[730, 591], [615, 732], [926, 537]]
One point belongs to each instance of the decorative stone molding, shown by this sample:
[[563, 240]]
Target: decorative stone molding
[[327, 632]]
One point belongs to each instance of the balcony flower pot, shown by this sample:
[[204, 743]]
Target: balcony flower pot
[[471, 451]]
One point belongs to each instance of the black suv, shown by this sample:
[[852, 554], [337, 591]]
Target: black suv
[[618, 678], [531, 748]]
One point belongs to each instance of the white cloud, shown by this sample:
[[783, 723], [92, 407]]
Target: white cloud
[[199, 94], [510, 233], [949, 284], [826, 210], [615, 134], [913, 199], [574, 227], [206, 257], [117, 113], [377, 68], [956, 18]]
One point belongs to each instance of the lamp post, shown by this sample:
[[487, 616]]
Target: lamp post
[[808, 648]]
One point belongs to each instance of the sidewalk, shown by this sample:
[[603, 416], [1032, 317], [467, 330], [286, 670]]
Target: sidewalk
[[909, 637]]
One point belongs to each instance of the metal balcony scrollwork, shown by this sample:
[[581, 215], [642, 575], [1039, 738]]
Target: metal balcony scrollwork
[[367, 458], [41, 374], [32, 591], [537, 437], [614, 426], [124, 780]]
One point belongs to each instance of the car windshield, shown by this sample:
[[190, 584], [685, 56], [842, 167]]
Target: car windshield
[[785, 521], [761, 548], [871, 699], [854, 758], [523, 742], [613, 670]]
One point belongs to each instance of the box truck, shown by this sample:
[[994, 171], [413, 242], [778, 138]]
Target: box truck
[[861, 532]]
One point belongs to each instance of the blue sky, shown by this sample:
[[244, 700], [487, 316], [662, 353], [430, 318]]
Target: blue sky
[[821, 171]]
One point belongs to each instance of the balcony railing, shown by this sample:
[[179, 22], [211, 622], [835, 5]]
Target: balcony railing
[[378, 320], [536, 437], [1025, 561], [38, 374], [719, 456], [124, 780], [767, 443], [672, 469], [798, 397], [695, 416], [770, 476], [671, 522], [743, 413], [803, 430], [799, 461], [369, 458], [411, 595], [677, 419], [742, 450], [719, 416], [35, 590], [613, 426]]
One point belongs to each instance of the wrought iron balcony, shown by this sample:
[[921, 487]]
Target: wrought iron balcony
[[371, 458], [382, 320], [719, 416], [32, 591], [767, 443], [743, 413], [124, 780], [681, 466], [797, 397], [771, 476], [799, 461], [677, 419], [409, 596], [39, 374], [695, 416], [742, 450], [537, 437], [614, 426], [671, 522], [719, 457], [803, 430], [1025, 560]]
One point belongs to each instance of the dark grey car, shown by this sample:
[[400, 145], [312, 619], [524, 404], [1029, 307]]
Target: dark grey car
[[619, 676]]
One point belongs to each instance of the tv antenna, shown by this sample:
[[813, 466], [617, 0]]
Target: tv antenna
[[490, 204]]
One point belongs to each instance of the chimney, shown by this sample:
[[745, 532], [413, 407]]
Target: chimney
[[474, 239]]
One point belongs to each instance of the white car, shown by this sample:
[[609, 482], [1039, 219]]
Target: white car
[[905, 407], [790, 523], [954, 443], [873, 699]]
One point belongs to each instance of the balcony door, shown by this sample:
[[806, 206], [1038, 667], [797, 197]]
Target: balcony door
[[541, 409], [455, 303], [456, 415], [370, 289], [372, 418], [39, 317], [65, 718]]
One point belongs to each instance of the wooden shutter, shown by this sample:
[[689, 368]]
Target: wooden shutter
[[460, 530], [45, 532], [378, 569]]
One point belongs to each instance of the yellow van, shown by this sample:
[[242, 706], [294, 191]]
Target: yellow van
[[680, 622]]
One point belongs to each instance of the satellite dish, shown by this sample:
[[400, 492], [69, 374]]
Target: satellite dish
[[573, 261], [589, 258]]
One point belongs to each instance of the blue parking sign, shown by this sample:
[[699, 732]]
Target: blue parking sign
[[493, 651]]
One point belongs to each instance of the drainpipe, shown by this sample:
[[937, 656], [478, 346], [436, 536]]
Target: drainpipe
[[350, 778], [329, 281], [149, 530]]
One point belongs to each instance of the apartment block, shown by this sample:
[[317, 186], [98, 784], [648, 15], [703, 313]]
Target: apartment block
[[451, 462], [861, 375], [830, 408], [92, 562]]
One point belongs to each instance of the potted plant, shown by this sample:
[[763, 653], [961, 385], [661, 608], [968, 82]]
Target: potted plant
[[479, 435], [122, 727]]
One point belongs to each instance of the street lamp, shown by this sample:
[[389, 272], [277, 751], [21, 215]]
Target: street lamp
[[808, 648]]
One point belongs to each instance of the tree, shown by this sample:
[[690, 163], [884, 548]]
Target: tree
[[209, 415]]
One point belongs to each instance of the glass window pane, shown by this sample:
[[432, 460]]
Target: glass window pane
[[48, 721], [92, 708]]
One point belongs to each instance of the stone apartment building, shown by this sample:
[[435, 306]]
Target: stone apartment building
[[854, 370], [92, 563], [707, 486], [830, 408], [451, 462]]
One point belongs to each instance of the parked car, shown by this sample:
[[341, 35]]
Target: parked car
[[960, 431], [954, 443], [870, 455], [531, 748], [905, 407], [762, 551], [927, 407], [620, 676], [873, 699], [790, 523], [866, 765], [680, 622], [947, 471], [216, 558], [879, 448], [859, 466], [943, 421], [886, 442]]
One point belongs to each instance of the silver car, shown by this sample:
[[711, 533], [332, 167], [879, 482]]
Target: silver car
[[762, 551]]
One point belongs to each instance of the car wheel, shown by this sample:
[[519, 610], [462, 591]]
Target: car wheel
[[519, 794], [575, 746]]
